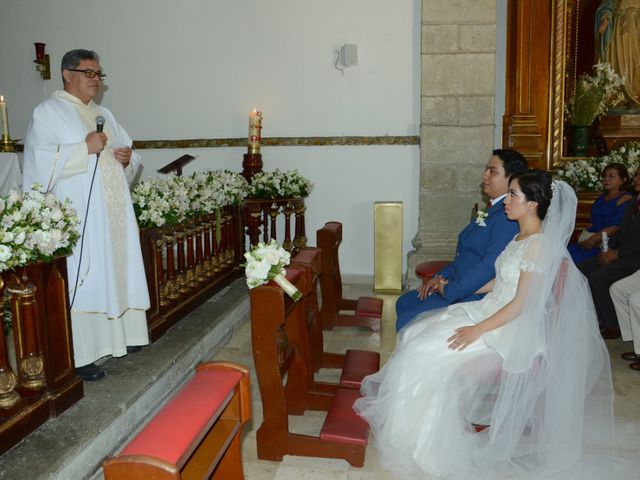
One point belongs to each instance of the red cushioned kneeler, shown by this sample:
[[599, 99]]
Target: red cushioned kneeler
[[369, 307], [357, 365], [342, 423]]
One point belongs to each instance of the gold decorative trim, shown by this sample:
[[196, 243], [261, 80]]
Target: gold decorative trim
[[557, 72], [273, 142], [278, 142]]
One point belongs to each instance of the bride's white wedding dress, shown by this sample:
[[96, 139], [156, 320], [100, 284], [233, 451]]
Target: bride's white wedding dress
[[423, 403], [542, 382]]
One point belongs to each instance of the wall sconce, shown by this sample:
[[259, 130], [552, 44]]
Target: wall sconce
[[42, 60]]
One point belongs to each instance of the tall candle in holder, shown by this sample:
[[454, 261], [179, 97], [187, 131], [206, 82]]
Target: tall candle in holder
[[255, 131], [5, 118]]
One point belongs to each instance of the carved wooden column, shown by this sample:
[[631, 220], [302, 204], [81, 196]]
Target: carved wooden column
[[526, 118], [28, 350], [8, 378]]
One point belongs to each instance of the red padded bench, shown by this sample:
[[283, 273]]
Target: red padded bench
[[355, 364], [285, 375], [426, 270], [195, 435], [367, 310]]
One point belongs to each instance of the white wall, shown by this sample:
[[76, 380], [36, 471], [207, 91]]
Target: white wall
[[195, 68]]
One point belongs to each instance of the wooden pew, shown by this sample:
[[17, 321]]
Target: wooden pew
[[355, 364], [367, 310], [281, 357], [196, 435]]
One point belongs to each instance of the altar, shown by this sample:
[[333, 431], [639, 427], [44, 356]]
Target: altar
[[10, 173]]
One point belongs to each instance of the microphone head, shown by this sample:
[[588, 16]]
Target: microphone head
[[99, 123]]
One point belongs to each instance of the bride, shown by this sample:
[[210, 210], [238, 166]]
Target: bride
[[516, 385]]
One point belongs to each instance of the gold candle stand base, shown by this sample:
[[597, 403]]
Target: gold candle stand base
[[7, 145]]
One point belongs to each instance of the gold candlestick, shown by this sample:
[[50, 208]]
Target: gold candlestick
[[7, 144]]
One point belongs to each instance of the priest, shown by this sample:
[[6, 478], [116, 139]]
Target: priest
[[76, 149]]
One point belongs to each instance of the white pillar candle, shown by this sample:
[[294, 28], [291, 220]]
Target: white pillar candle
[[255, 128], [5, 119]]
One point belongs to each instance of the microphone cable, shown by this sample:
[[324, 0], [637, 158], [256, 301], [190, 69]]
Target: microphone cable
[[99, 127]]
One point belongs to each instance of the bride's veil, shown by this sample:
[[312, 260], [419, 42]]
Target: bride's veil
[[551, 406]]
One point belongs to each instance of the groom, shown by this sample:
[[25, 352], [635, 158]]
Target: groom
[[479, 244]]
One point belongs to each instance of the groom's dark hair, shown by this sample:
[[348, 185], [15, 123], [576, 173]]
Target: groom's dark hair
[[536, 186], [512, 160]]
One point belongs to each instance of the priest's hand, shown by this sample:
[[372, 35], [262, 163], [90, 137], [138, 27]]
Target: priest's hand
[[123, 155], [96, 141]]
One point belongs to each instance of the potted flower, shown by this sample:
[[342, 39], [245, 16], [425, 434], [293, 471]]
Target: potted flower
[[594, 95]]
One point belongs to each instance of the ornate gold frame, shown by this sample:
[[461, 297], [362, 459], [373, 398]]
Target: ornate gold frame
[[563, 74]]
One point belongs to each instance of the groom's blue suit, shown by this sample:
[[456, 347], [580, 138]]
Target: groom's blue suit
[[472, 267]]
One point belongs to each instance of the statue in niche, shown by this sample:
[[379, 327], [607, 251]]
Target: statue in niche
[[617, 41]]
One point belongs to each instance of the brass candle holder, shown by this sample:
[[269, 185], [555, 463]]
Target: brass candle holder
[[7, 144]]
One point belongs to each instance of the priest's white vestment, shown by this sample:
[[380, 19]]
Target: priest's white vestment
[[108, 312]]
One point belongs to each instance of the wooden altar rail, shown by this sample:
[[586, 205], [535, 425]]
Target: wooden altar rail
[[261, 220], [43, 384], [187, 263]]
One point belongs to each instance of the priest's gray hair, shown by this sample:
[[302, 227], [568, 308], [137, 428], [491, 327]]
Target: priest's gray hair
[[73, 58]]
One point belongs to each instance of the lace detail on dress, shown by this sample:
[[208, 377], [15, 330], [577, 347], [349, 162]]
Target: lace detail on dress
[[509, 264], [529, 266]]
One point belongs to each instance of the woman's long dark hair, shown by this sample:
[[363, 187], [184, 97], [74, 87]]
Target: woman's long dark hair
[[536, 186]]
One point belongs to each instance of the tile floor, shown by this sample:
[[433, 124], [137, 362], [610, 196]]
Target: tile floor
[[627, 405]]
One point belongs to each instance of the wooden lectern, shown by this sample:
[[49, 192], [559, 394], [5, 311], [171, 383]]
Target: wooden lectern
[[177, 165]]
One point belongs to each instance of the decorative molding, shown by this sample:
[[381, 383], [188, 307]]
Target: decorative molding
[[278, 142]]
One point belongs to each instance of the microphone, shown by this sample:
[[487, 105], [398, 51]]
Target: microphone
[[99, 128]]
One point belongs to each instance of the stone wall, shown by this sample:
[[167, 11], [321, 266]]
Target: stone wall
[[457, 119]]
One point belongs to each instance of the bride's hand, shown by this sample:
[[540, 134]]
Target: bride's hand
[[464, 337]]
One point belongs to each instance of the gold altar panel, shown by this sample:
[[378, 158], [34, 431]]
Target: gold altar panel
[[388, 247]]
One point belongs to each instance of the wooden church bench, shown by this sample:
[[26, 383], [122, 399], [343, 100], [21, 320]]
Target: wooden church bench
[[367, 310], [196, 434], [282, 362], [355, 364]]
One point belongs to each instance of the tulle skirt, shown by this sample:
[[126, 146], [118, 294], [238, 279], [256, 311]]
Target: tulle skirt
[[426, 405]]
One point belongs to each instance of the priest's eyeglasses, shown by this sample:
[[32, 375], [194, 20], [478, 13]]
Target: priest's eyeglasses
[[89, 73]]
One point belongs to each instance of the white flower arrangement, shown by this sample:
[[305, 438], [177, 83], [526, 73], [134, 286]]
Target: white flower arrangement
[[35, 226], [594, 95], [170, 200], [585, 175], [279, 184], [481, 216], [266, 262]]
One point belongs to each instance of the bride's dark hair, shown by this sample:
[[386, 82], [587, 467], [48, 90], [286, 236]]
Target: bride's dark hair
[[536, 186]]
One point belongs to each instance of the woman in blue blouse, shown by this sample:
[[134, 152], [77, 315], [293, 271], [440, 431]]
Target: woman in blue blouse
[[606, 213]]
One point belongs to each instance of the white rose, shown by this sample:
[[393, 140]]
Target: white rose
[[20, 237], [5, 252]]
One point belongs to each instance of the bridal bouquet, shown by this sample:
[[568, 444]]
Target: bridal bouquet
[[34, 226], [266, 262]]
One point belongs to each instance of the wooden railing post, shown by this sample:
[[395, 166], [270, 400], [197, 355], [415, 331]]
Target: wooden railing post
[[172, 281], [287, 244], [300, 240], [182, 271]]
